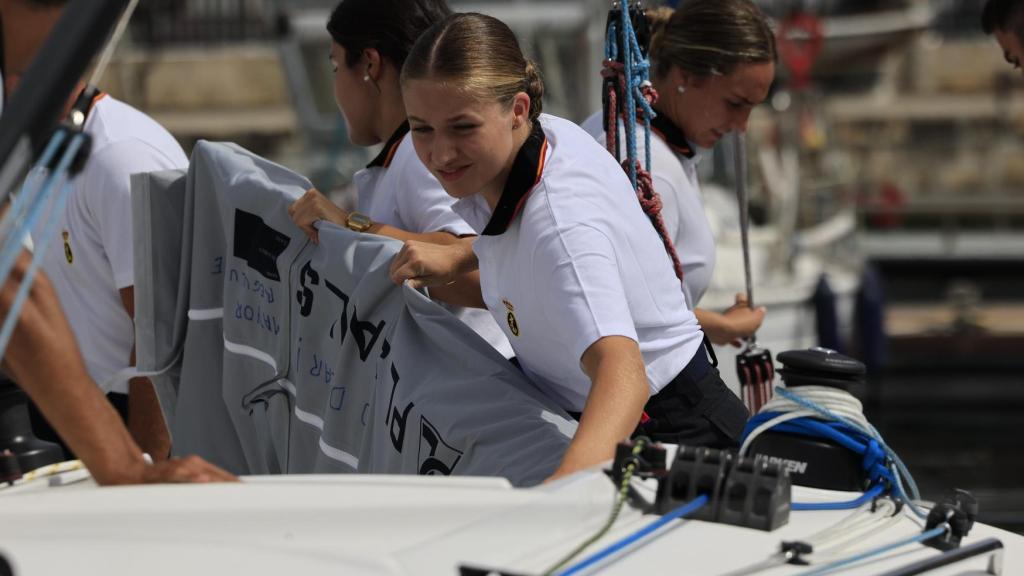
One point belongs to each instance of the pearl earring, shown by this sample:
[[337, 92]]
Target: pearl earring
[[366, 78], [681, 89]]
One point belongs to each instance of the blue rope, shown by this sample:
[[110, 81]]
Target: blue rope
[[21, 208], [629, 119], [882, 464], [47, 232], [901, 473], [637, 74], [688, 508], [871, 494], [831, 566]]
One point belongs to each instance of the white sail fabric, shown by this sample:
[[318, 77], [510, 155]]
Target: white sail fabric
[[276, 355]]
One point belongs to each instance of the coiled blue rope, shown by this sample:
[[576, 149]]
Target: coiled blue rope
[[881, 463], [636, 70]]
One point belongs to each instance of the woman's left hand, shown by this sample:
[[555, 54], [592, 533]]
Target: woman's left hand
[[425, 264], [314, 206]]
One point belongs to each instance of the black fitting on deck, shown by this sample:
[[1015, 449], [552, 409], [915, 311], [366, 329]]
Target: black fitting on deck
[[959, 512], [741, 491], [648, 463]]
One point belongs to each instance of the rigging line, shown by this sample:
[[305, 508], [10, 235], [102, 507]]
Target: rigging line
[[684, 510], [49, 228], [832, 566], [14, 228], [620, 500], [115, 39]]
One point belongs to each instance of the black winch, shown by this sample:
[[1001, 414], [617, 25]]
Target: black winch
[[16, 435], [813, 461]]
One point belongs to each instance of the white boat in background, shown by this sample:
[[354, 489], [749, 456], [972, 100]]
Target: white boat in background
[[788, 265], [790, 259]]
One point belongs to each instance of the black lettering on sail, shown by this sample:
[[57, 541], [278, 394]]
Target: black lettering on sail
[[258, 244]]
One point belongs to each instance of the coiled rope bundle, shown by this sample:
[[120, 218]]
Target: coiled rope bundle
[[834, 414], [627, 72]]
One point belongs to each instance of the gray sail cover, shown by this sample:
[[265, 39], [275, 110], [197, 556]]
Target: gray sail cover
[[271, 354]]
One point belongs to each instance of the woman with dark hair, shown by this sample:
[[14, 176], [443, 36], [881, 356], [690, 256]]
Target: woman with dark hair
[[1004, 19], [398, 197], [570, 267], [712, 62]]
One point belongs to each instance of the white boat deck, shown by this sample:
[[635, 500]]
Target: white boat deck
[[390, 525]]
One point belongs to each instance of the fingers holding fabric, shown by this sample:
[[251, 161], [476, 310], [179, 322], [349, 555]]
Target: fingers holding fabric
[[423, 264], [314, 206]]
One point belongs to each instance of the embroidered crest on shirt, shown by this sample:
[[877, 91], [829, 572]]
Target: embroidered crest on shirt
[[513, 325], [67, 248]]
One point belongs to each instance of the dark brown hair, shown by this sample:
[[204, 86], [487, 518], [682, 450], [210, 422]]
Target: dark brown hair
[[1004, 15], [710, 37], [389, 26], [480, 54]]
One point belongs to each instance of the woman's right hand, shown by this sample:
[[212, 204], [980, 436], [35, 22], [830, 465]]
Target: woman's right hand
[[734, 325], [424, 264], [190, 469]]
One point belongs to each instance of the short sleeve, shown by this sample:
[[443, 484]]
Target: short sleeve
[[580, 283], [107, 192], [423, 203]]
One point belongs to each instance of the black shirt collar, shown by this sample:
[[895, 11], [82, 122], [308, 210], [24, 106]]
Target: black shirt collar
[[525, 174], [383, 160], [672, 135]]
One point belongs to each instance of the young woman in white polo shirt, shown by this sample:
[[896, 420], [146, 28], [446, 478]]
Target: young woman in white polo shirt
[[570, 267], [713, 61], [398, 197]]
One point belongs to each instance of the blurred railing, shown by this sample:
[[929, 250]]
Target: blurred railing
[[159, 23]]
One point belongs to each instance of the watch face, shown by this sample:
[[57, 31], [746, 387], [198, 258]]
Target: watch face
[[359, 222]]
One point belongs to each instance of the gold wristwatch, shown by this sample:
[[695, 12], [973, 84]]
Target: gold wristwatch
[[358, 222]]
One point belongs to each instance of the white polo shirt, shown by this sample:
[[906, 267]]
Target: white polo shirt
[[90, 258], [397, 189], [568, 257], [674, 163]]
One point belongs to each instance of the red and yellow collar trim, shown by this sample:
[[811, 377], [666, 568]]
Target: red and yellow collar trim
[[527, 169]]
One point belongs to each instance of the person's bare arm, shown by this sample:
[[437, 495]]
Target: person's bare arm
[[618, 394], [314, 206], [458, 289], [732, 326], [145, 418], [43, 358]]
